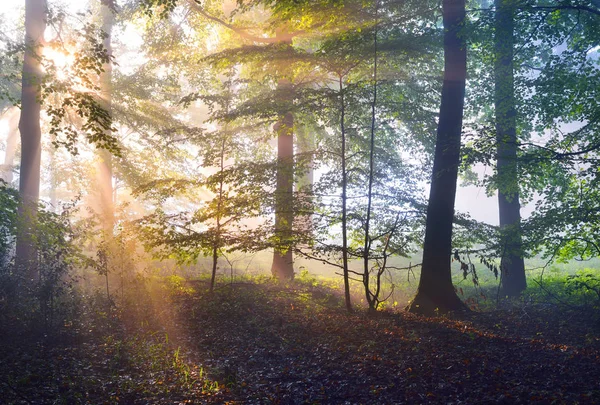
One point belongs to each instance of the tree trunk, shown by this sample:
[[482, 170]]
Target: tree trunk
[[345, 265], [104, 168], [31, 135], [215, 262], [435, 291], [512, 265], [12, 117], [306, 148], [372, 300], [282, 268], [217, 244]]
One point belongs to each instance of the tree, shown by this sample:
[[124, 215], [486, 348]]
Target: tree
[[512, 264], [563, 165], [435, 291], [542, 67], [9, 201], [283, 264], [372, 298], [226, 195], [344, 196], [31, 134], [105, 170]]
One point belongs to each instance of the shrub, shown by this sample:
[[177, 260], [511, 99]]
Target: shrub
[[585, 284]]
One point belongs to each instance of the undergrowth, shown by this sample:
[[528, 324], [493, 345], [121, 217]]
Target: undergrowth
[[254, 340]]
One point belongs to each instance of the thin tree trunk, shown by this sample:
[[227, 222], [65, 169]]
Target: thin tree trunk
[[344, 200], [218, 241], [215, 261], [371, 299], [31, 135], [509, 207], [435, 291]]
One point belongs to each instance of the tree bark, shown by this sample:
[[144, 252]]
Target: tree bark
[[435, 291], [282, 267], [306, 148], [104, 167], [512, 265], [31, 135], [372, 300], [217, 243], [345, 264]]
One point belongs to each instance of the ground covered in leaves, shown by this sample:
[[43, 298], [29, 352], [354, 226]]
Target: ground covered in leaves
[[263, 343]]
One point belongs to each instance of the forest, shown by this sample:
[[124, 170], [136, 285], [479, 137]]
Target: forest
[[299, 201]]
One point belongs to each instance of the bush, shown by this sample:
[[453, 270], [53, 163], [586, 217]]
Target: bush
[[585, 284], [47, 302]]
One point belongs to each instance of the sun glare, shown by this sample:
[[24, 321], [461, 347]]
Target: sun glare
[[60, 59]]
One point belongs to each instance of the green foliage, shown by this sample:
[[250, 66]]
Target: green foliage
[[9, 200], [44, 303], [176, 285], [306, 278], [556, 74], [564, 225], [217, 223], [585, 283], [78, 92], [160, 7], [11, 60]]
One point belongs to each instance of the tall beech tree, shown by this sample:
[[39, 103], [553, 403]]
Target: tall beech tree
[[282, 267], [104, 168], [539, 79], [509, 208], [64, 97], [31, 134], [435, 291]]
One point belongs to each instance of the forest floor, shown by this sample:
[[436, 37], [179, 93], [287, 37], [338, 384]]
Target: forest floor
[[262, 343]]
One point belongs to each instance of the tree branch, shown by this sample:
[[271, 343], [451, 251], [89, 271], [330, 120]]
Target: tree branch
[[568, 7], [280, 38]]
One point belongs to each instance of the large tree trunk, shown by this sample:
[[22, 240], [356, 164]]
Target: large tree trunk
[[436, 291], [282, 267], [31, 135], [512, 264], [104, 168], [7, 174]]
